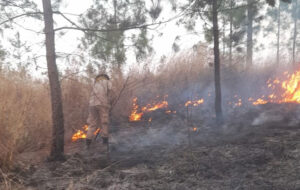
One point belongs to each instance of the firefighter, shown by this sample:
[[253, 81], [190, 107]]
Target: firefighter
[[99, 106]]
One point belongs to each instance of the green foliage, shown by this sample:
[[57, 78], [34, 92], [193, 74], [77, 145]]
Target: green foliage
[[111, 47]]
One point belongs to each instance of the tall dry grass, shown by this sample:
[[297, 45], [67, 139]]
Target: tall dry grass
[[25, 110], [24, 116]]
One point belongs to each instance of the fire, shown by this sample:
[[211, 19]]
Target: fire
[[194, 103], [81, 134], [283, 91], [137, 116], [260, 101], [97, 131], [78, 135], [292, 88], [239, 103], [160, 105]]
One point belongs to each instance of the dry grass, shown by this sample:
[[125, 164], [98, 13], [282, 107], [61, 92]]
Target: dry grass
[[25, 110], [24, 116]]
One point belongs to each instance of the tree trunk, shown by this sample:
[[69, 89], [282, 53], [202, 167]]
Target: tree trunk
[[218, 100], [295, 31], [223, 36], [57, 147], [249, 33], [278, 31], [230, 35]]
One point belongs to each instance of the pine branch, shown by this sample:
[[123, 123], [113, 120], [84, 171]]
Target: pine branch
[[18, 16]]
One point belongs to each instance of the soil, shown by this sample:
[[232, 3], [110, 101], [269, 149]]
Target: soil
[[254, 149]]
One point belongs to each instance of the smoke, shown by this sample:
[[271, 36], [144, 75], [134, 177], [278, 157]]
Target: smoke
[[167, 133], [239, 89]]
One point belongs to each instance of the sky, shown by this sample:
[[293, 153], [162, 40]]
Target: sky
[[68, 43], [162, 44]]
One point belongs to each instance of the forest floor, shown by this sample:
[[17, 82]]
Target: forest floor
[[257, 149]]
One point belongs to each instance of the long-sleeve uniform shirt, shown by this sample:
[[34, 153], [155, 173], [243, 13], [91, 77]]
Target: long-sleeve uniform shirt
[[100, 93]]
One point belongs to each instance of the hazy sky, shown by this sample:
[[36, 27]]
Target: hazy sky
[[68, 43]]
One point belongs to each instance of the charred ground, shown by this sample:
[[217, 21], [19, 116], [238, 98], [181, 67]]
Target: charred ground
[[254, 149]]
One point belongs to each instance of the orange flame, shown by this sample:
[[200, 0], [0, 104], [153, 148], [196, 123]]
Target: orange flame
[[137, 116], [149, 108], [78, 135], [287, 90], [292, 88], [81, 134], [194, 103], [260, 101]]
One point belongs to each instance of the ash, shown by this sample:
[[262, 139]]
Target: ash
[[258, 148]]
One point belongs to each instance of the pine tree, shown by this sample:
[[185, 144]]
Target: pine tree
[[111, 47], [57, 148]]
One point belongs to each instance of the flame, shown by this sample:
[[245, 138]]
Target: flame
[[137, 116], [283, 91], [97, 131], [195, 129], [259, 101], [194, 103], [292, 88], [81, 134], [160, 105], [78, 135], [239, 103]]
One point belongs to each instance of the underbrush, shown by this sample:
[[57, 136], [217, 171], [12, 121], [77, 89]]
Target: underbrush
[[24, 116], [25, 109]]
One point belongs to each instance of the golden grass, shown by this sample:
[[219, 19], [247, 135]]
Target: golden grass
[[25, 109], [24, 116]]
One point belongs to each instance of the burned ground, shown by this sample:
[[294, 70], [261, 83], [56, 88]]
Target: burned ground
[[254, 149]]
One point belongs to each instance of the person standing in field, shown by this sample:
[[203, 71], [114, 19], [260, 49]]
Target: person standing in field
[[99, 106]]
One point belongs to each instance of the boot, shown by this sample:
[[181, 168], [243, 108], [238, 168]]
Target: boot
[[88, 143], [105, 140]]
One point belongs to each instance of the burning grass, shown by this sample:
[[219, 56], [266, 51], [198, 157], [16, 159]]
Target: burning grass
[[244, 156], [182, 87], [285, 89]]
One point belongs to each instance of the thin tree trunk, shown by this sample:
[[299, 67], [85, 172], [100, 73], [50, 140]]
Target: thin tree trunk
[[230, 35], [57, 147], [295, 31], [218, 100], [278, 31], [224, 42], [249, 33]]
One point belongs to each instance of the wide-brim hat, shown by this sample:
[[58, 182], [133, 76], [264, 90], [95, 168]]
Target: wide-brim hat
[[102, 75]]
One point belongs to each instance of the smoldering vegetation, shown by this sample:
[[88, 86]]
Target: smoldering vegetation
[[236, 155], [257, 146]]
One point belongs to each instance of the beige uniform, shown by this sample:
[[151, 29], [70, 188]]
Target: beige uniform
[[99, 106]]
